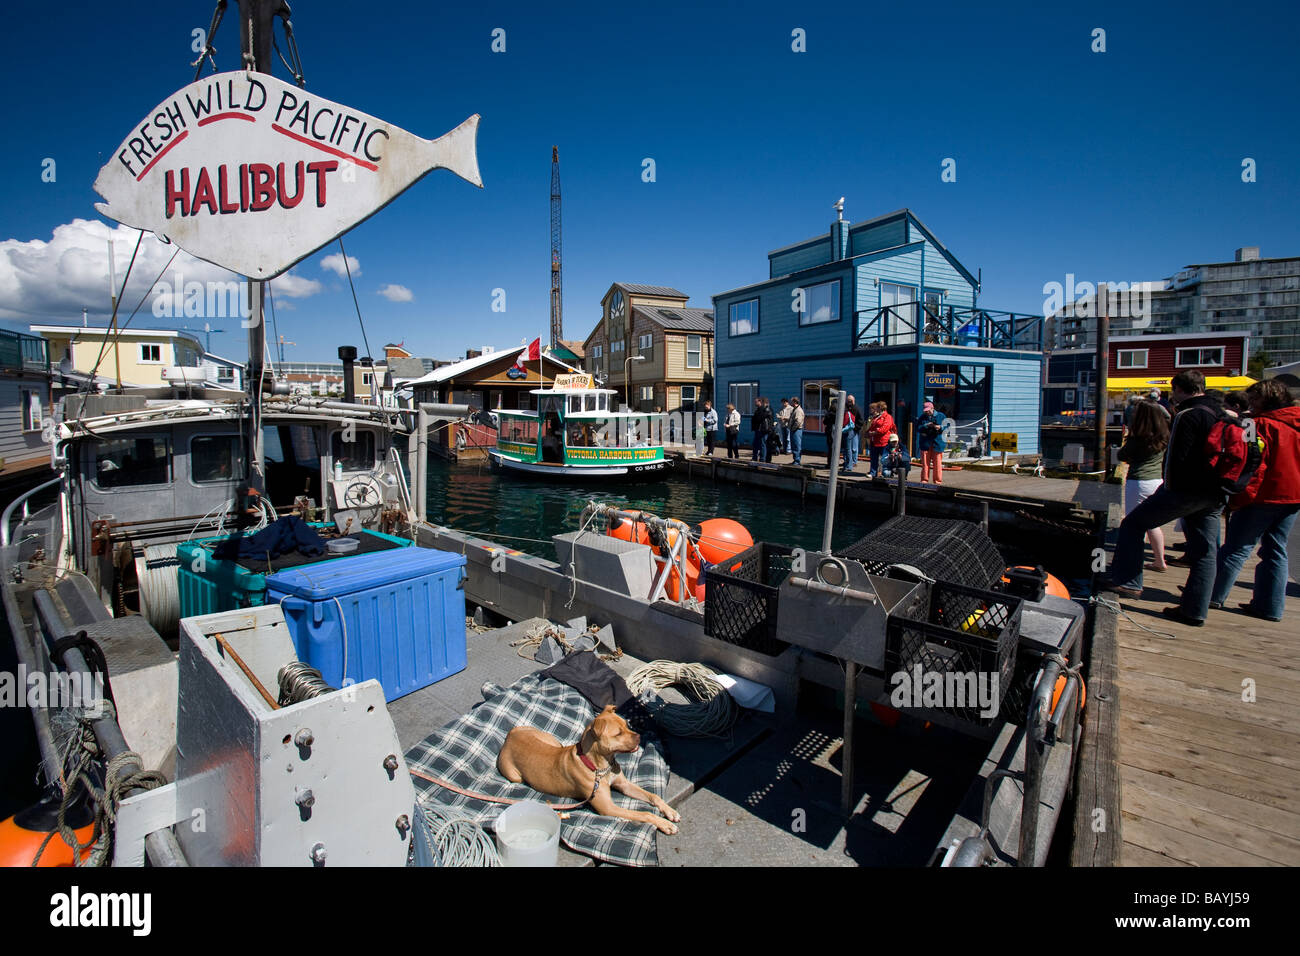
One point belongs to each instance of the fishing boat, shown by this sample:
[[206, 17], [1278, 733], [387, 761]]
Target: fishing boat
[[577, 432]]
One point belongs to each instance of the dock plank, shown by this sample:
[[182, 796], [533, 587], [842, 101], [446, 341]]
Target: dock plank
[[1207, 825], [1160, 838], [1264, 743], [1284, 823]]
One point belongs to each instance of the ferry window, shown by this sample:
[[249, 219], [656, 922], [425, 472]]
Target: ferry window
[[589, 403], [216, 458], [519, 429], [356, 455], [580, 435], [604, 403], [123, 462], [575, 403]]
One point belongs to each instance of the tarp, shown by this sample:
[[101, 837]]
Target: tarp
[[1142, 384]]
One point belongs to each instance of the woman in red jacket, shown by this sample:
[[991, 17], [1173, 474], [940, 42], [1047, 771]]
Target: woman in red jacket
[[879, 427], [1267, 508]]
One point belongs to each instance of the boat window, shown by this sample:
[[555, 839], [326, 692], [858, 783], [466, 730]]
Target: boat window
[[123, 462], [589, 402], [575, 403], [519, 430], [583, 435], [604, 403], [355, 455], [216, 458]]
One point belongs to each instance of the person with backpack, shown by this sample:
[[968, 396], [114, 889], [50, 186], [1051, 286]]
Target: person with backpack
[[852, 430], [1266, 510], [929, 428], [1193, 490], [880, 425], [797, 418], [1144, 450]]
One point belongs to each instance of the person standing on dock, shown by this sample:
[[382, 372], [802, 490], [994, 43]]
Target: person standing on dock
[[1191, 491], [710, 425], [853, 426], [797, 417], [732, 426], [880, 425], [1144, 450], [783, 419], [931, 443], [1267, 508], [761, 423]]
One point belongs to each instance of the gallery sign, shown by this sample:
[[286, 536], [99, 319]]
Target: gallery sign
[[253, 174], [942, 380]]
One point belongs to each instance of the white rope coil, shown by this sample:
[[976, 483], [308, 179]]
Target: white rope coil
[[455, 837], [712, 713], [160, 602]]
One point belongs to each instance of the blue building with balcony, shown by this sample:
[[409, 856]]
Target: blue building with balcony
[[883, 310]]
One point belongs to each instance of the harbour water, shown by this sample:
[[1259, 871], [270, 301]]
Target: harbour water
[[524, 514]]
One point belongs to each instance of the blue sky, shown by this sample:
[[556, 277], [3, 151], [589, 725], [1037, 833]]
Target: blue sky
[[1115, 166]]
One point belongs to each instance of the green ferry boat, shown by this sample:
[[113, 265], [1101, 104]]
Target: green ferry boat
[[576, 432]]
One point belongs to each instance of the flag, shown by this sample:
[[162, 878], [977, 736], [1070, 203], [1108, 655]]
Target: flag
[[531, 354]]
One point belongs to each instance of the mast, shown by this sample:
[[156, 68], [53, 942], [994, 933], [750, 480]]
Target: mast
[[557, 303], [256, 24]]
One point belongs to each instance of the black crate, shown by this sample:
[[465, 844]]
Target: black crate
[[965, 631], [943, 548], [740, 597]]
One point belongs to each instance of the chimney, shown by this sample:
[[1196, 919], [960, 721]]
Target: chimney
[[1247, 254], [348, 355], [839, 233]]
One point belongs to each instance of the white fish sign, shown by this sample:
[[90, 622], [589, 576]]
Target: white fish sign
[[250, 173]]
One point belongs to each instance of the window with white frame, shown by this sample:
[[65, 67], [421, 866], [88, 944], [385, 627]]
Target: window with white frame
[[689, 393], [821, 303], [1131, 358], [31, 410], [646, 345], [694, 351], [898, 313], [647, 393], [225, 373], [151, 353], [743, 395], [616, 346], [744, 317], [1199, 357]]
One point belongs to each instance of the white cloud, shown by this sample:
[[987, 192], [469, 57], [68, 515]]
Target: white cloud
[[52, 281], [334, 263], [396, 293]]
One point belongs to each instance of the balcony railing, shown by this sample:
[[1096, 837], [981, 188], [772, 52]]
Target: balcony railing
[[914, 323], [23, 353]]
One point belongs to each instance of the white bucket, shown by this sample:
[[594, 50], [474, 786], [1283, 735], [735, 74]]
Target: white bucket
[[528, 834]]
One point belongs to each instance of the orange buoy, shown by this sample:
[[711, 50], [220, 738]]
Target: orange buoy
[[22, 834], [1060, 689], [693, 583], [1054, 585], [886, 715], [721, 538], [629, 529]]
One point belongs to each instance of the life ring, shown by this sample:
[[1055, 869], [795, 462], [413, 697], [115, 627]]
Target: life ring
[[1054, 585]]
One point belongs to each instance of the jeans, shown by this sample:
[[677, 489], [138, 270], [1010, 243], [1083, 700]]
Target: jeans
[[784, 432], [850, 443], [796, 443], [1201, 516], [760, 446], [875, 459], [1246, 528], [733, 445]]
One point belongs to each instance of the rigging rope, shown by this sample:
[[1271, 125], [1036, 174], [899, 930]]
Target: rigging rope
[[362, 321], [117, 301]]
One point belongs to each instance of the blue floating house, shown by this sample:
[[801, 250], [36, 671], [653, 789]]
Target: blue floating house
[[885, 311]]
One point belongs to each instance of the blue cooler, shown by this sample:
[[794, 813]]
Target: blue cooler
[[397, 616]]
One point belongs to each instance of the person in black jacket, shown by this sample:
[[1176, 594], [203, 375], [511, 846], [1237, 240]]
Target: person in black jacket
[[761, 422], [1191, 491]]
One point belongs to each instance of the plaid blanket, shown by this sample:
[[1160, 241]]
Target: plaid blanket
[[464, 753]]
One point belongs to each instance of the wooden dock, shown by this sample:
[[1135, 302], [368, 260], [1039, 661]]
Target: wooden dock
[[1208, 742]]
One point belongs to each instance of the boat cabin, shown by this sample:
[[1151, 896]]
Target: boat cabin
[[576, 426]]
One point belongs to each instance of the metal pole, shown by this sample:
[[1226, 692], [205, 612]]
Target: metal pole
[[421, 462], [1103, 363], [834, 464], [117, 345], [846, 761]]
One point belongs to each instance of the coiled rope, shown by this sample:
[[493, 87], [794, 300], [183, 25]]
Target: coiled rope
[[712, 712], [456, 839]]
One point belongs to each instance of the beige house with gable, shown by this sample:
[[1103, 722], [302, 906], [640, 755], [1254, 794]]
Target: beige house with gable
[[675, 341]]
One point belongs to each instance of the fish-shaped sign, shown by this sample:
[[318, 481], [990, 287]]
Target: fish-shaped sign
[[253, 174]]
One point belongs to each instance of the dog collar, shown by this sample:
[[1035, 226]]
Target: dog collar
[[586, 761]]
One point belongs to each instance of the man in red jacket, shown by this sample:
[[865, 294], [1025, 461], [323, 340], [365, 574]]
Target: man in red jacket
[[1267, 508]]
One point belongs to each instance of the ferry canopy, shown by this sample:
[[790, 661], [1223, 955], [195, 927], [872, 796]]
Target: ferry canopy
[[1143, 384]]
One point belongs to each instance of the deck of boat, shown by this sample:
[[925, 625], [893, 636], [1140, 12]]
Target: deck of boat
[[769, 795], [1208, 777]]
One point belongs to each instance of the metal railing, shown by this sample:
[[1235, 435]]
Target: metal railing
[[918, 323], [22, 501], [19, 352]]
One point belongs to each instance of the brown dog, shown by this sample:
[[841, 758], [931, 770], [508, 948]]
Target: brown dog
[[586, 770]]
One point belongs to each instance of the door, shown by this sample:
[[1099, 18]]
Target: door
[[900, 320]]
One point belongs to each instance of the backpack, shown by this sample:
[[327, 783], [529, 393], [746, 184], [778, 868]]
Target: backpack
[[1233, 460]]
